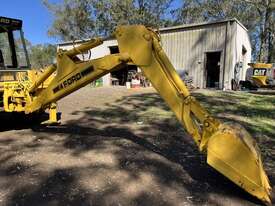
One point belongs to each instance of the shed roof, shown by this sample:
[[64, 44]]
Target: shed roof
[[185, 26], [171, 29]]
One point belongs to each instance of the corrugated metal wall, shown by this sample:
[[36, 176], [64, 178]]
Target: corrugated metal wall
[[243, 42], [186, 48]]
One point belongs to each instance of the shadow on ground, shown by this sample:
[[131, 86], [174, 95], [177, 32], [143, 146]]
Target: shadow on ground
[[19, 121], [144, 138]]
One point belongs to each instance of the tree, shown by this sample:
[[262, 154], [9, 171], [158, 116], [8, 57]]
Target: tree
[[5, 49], [78, 19], [42, 55], [72, 19], [256, 15], [150, 13], [266, 26]]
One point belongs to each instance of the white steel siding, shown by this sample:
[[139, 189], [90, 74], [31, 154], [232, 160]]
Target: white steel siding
[[97, 52], [186, 48], [243, 40]]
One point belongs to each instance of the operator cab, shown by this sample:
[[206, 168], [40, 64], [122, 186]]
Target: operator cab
[[13, 53]]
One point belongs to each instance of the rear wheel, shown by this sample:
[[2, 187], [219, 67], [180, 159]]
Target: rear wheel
[[247, 85]]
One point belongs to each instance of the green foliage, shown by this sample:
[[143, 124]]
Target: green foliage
[[42, 55], [257, 15], [73, 19], [78, 19], [5, 49], [147, 12]]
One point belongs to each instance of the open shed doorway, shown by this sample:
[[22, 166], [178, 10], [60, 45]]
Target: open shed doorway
[[212, 68], [121, 76]]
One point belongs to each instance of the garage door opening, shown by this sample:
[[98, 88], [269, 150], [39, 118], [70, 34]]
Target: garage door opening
[[213, 69], [120, 77]]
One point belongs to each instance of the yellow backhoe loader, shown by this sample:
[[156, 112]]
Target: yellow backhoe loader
[[229, 148]]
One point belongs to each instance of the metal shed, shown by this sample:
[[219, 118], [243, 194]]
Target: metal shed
[[211, 53]]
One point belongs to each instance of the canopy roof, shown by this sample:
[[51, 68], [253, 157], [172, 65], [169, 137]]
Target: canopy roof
[[7, 24]]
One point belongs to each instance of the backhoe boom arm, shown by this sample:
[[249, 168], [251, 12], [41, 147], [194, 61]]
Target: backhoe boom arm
[[229, 150]]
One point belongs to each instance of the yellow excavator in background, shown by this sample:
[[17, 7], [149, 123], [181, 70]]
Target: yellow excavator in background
[[259, 76], [229, 148]]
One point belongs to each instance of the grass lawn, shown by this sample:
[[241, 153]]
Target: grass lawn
[[254, 111]]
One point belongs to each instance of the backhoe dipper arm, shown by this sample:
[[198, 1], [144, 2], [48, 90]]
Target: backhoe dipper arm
[[230, 150], [145, 52]]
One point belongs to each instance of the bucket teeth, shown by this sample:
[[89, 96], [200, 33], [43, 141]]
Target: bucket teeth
[[233, 152]]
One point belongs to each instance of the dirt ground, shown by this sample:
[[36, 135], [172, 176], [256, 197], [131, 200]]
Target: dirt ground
[[111, 149]]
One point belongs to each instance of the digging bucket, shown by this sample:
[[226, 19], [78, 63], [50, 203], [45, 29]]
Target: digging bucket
[[235, 154]]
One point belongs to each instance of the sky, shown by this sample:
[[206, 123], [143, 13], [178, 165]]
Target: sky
[[36, 18]]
